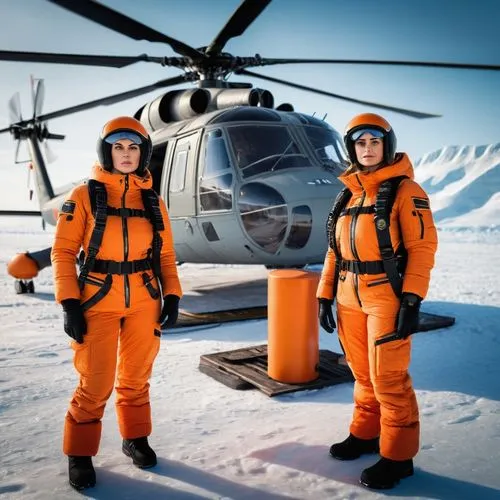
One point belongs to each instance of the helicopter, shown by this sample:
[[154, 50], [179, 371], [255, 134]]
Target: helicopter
[[245, 181]]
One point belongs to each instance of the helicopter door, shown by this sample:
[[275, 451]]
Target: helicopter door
[[181, 188]]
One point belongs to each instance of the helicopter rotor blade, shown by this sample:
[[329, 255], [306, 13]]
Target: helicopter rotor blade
[[120, 23], [241, 19], [112, 99], [49, 153], [16, 154], [408, 112], [14, 109], [38, 96], [78, 59], [268, 62]]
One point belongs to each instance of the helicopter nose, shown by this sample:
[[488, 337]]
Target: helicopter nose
[[264, 215]]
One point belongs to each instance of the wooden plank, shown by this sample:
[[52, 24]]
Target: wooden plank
[[250, 365], [228, 379]]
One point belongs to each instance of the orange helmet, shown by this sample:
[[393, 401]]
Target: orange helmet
[[124, 127], [377, 126]]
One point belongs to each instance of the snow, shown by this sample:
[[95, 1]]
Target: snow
[[214, 442]]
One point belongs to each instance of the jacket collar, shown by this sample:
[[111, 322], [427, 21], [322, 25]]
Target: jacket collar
[[357, 180], [114, 181]]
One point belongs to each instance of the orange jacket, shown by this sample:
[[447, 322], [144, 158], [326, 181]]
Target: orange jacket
[[73, 231], [410, 223]]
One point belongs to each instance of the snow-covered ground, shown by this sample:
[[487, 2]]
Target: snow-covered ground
[[214, 442]]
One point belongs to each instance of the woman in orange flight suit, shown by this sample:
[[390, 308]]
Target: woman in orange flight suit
[[118, 330], [385, 414]]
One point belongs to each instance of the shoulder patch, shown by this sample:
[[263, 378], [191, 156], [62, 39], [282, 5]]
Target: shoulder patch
[[421, 203], [68, 207]]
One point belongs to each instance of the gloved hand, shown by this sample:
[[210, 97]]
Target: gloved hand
[[326, 315], [169, 311], [74, 320], [407, 322]]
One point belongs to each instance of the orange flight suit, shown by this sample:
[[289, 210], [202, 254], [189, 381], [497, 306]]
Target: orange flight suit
[[367, 308], [122, 329]]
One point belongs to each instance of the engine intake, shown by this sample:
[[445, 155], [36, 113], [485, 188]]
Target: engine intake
[[173, 106], [228, 98]]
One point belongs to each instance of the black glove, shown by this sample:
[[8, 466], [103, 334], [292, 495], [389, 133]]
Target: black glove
[[170, 311], [74, 320], [407, 322], [326, 315]]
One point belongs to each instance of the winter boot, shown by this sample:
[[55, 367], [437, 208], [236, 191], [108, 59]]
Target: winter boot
[[81, 472], [353, 447], [140, 452], [386, 473]]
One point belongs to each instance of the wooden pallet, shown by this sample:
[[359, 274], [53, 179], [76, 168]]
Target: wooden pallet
[[246, 368]]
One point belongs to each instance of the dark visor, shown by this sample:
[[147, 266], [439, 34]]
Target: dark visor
[[373, 131], [135, 138]]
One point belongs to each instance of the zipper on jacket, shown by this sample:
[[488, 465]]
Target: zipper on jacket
[[125, 246], [352, 231], [421, 219]]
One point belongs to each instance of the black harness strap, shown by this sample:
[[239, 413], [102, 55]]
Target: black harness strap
[[383, 206], [101, 210], [123, 267], [98, 203], [358, 210], [331, 225], [100, 294], [152, 206], [126, 212], [362, 267], [392, 263]]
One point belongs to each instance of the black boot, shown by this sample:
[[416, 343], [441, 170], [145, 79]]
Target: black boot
[[386, 473], [353, 447], [140, 452], [81, 472]]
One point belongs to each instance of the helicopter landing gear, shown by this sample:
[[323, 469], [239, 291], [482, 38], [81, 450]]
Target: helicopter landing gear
[[24, 286]]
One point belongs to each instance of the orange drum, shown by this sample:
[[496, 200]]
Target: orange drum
[[293, 331]]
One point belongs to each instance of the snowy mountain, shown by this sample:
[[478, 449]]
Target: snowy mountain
[[463, 183]]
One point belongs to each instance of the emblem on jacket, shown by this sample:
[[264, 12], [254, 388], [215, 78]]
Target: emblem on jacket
[[421, 203], [68, 207]]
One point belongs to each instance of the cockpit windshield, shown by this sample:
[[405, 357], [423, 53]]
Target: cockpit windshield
[[327, 147], [265, 148]]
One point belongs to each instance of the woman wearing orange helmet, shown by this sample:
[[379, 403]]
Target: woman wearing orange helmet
[[378, 290], [113, 309]]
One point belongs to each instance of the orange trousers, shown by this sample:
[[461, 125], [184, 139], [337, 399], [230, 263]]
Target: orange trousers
[[384, 400], [121, 345]]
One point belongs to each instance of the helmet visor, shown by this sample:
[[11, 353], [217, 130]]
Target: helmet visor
[[373, 131], [117, 136]]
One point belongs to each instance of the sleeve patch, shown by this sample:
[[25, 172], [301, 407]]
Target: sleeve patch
[[68, 207], [421, 203]]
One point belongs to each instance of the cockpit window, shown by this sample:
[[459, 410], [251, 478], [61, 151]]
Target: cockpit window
[[216, 177], [327, 147], [263, 148]]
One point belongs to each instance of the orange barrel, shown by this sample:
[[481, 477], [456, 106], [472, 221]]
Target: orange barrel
[[292, 314]]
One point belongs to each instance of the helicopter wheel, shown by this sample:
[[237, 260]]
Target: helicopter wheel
[[21, 286]]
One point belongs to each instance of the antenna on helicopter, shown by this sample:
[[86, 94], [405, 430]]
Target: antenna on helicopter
[[324, 117]]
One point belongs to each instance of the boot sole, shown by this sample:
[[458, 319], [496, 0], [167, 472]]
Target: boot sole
[[348, 459], [80, 487], [380, 486], [137, 464]]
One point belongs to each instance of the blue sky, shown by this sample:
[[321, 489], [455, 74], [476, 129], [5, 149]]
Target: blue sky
[[448, 30]]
